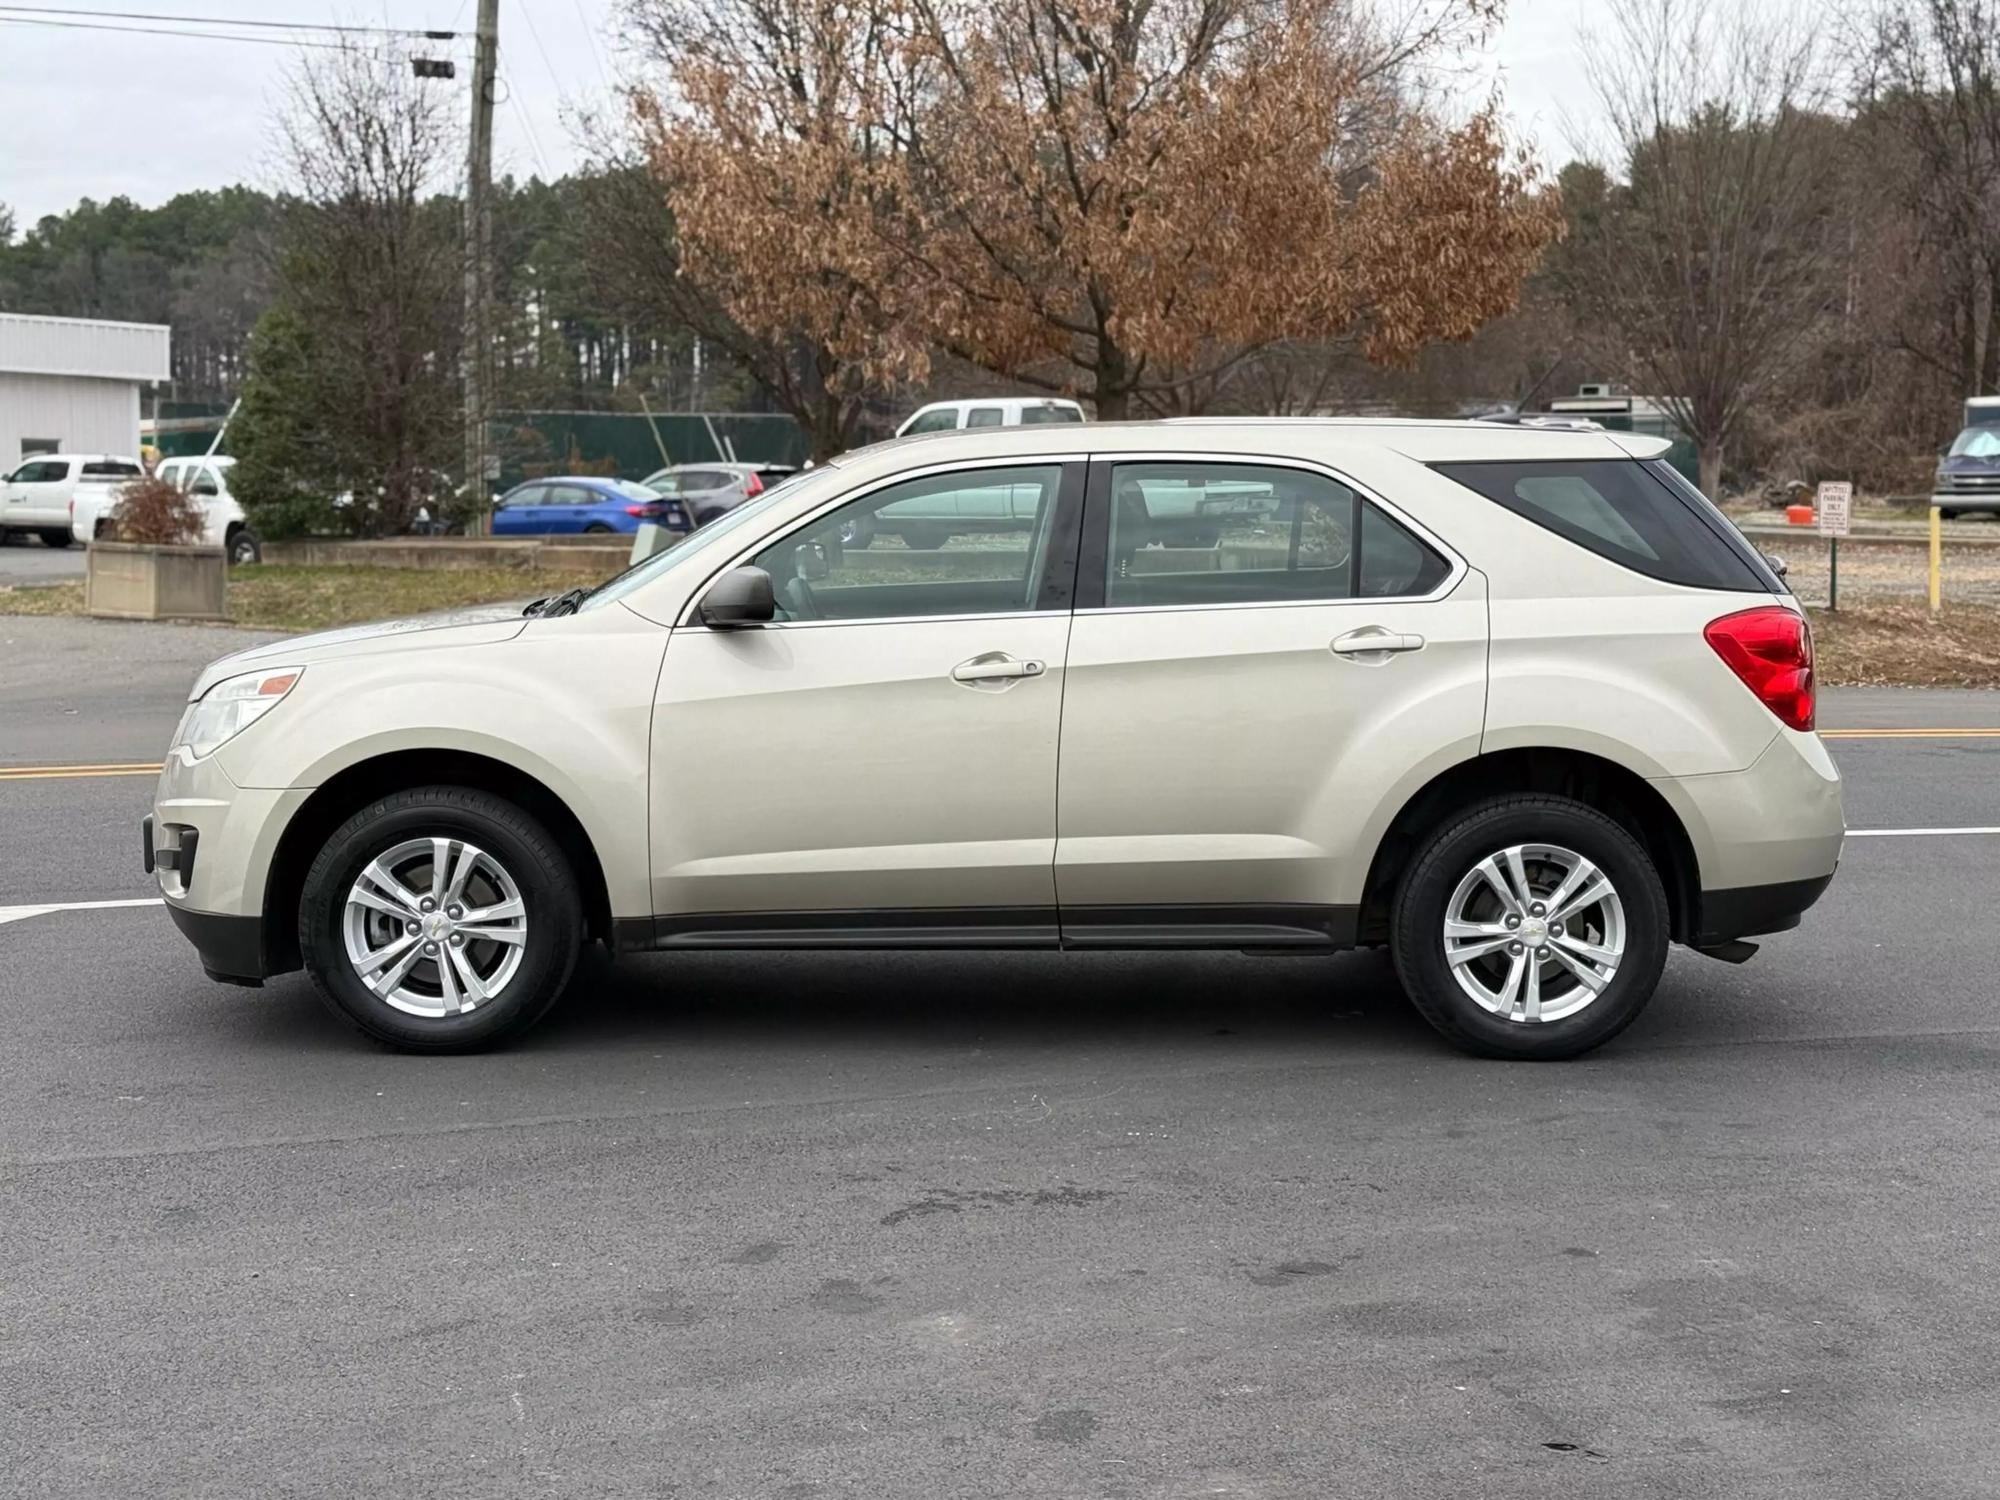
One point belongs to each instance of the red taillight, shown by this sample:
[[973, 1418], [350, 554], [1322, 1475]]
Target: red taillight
[[639, 510], [1771, 650], [752, 486]]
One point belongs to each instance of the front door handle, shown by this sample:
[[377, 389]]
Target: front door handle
[[1373, 640], [996, 666]]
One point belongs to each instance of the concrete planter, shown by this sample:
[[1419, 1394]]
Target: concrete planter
[[134, 581]]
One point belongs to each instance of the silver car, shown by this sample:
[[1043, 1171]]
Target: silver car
[[710, 490]]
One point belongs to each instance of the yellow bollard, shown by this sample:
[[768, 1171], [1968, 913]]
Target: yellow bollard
[[1937, 559]]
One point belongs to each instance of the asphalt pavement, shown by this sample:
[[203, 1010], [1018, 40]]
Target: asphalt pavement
[[26, 560], [1006, 1225]]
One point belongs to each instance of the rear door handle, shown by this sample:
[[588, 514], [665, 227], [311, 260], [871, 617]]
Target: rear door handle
[[1373, 640], [996, 666]]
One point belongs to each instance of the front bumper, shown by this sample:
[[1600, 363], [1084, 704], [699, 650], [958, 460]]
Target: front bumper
[[210, 844], [1970, 500], [232, 948]]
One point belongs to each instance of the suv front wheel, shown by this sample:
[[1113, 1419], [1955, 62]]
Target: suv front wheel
[[440, 920], [1530, 927]]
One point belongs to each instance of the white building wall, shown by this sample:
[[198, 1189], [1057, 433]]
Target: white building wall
[[33, 345], [78, 414]]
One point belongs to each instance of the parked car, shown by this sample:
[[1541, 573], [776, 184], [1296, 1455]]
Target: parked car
[[39, 495], [574, 505], [1520, 705], [206, 481], [709, 490], [1968, 476], [989, 411]]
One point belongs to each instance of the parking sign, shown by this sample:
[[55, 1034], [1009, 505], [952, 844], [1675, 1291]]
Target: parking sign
[[1833, 505]]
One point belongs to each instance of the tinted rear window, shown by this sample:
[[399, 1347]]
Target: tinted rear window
[[1035, 416], [1623, 511]]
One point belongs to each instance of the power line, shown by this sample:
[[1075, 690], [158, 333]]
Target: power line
[[140, 15], [214, 36]]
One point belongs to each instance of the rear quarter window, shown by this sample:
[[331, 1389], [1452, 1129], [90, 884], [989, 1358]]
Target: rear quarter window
[[1626, 513]]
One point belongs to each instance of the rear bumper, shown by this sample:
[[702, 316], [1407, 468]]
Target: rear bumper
[[1752, 910]]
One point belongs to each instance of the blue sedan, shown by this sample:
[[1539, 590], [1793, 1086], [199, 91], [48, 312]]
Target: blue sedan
[[573, 505]]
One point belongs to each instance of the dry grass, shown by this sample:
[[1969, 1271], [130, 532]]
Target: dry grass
[[1900, 645], [274, 598]]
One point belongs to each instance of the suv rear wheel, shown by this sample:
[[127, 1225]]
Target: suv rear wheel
[[440, 920], [1531, 927], [57, 536]]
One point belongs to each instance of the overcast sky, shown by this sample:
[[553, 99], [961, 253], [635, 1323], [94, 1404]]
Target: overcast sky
[[96, 114]]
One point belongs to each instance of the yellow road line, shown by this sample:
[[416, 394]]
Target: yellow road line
[[1910, 734], [70, 773]]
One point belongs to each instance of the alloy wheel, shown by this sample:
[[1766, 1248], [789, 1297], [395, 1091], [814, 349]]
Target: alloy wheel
[[435, 927], [1534, 933]]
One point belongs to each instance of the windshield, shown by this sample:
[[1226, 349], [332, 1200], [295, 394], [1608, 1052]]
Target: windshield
[[707, 536], [1977, 442]]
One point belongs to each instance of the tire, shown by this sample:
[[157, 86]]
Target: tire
[[597, 528], [1947, 515], [97, 531], [1444, 878], [56, 536], [514, 845], [243, 547], [924, 538]]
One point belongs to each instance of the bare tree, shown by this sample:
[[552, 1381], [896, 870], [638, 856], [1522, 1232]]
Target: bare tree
[[1931, 80], [1706, 273], [354, 370]]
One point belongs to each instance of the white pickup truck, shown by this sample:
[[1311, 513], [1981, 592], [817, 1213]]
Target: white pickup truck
[[1178, 513], [41, 495], [207, 481]]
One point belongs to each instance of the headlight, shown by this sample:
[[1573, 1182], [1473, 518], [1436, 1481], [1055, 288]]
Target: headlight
[[230, 707]]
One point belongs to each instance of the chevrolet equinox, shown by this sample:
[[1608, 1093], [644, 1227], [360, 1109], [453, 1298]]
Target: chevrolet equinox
[[1518, 703]]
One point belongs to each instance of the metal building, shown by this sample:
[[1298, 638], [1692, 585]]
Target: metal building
[[71, 385]]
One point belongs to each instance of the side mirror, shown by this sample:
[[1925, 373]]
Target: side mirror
[[1777, 564], [741, 600]]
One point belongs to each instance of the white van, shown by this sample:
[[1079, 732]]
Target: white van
[[41, 493], [207, 480], [991, 411]]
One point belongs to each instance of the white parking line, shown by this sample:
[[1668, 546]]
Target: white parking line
[[16, 913], [1917, 833]]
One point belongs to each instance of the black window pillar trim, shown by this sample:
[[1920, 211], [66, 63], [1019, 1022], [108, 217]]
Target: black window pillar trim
[[1094, 553], [1057, 588]]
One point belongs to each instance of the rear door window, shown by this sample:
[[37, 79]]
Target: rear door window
[[1625, 512], [1220, 534]]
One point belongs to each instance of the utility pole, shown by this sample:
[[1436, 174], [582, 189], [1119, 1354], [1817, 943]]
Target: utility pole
[[479, 251]]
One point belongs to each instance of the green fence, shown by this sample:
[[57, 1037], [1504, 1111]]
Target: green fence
[[533, 444], [631, 445]]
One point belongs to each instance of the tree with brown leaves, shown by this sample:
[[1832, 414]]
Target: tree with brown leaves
[[1112, 196]]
